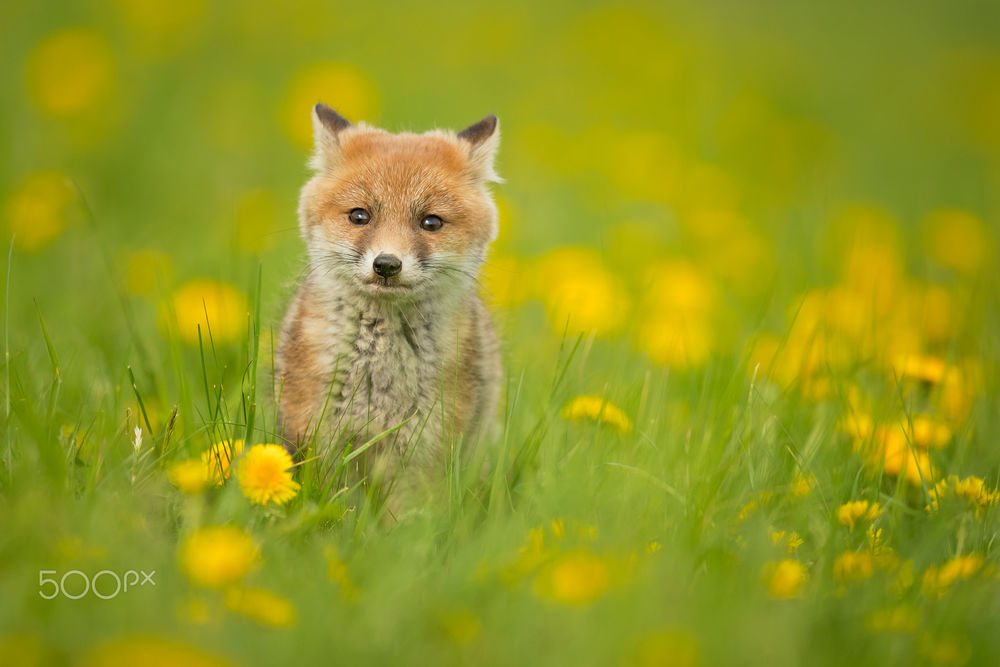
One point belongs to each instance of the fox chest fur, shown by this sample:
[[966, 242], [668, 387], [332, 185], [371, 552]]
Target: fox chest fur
[[386, 338]]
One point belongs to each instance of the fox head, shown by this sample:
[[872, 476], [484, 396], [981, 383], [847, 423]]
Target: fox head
[[399, 215]]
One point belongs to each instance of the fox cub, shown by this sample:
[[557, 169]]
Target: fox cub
[[387, 329]]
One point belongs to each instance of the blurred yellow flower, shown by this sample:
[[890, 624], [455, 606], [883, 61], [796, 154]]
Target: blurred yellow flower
[[785, 578], [265, 475], [678, 286], [149, 651], [957, 239], [676, 325], [344, 87], [224, 306], [937, 579], [217, 459], [597, 409], [802, 485], [147, 271], [923, 368], [791, 540], [853, 566], [38, 210], [217, 556], [857, 510], [971, 489], [190, 476], [676, 341], [870, 242], [579, 293], [70, 71], [897, 457], [573, 578], [261, 605]]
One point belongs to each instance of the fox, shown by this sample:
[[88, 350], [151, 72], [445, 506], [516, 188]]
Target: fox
[[387, 334]]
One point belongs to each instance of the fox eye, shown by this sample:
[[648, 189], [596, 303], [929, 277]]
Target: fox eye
[[359, 216], [431, 223]]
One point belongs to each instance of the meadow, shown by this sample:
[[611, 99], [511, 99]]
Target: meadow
[[747, 283]]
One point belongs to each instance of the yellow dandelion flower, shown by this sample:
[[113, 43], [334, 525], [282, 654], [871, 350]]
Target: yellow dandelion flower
[[190, 476], [764, 498], [147, 270], [217, 459], [922, 368], [857, 510], [70, 71], [266, 475], [972, 489], [261, 605], [224, 306], [676, 340], [597, 409], [678, 286], [38, 211], [149, 652], [957, 239], [897, 458], [791, 539], [344, 86], [875, 540], [785, 578], [853, 566], [925, 432], [802, 485], [217, 556], [859, 426], [580, 294], [574, 578], [937, 580]]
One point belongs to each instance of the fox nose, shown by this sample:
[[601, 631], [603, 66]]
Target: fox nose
[[387, 266]]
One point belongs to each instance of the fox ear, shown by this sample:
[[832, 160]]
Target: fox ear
[[484, 140], [327, 124]]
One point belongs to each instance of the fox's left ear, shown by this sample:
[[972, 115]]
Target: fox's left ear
[[484, 140]]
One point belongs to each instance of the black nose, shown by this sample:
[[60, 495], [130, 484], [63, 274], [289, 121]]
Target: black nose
[[387, 265]]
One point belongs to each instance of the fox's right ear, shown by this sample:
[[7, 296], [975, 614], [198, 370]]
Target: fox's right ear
[[483, 139], [327, 125]]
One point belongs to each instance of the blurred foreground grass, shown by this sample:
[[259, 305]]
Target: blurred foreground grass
[[747, 279]]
